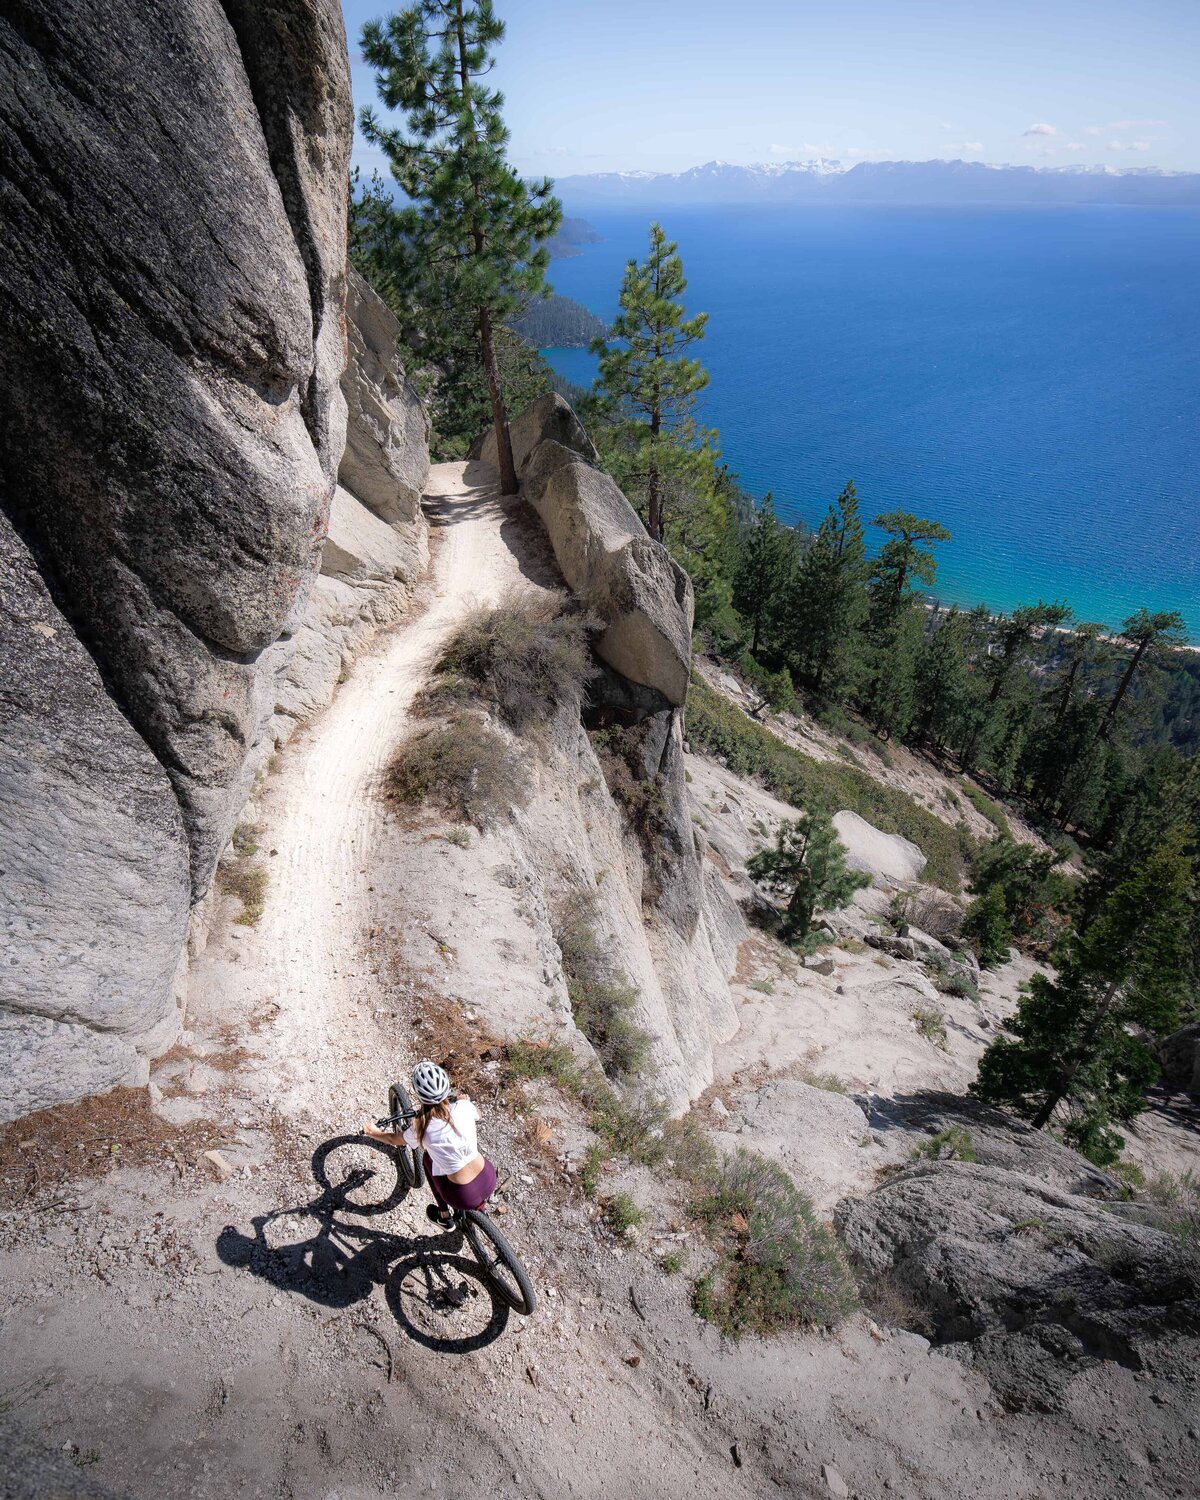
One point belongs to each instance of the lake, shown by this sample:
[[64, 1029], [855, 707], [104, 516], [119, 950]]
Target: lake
[[1028, 377]]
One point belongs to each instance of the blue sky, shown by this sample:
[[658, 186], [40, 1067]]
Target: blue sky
[[604, 85]]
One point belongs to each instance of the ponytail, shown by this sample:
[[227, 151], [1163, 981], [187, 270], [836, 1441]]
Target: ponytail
[[429, 1112]]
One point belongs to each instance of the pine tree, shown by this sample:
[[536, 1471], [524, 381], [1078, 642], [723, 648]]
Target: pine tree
[[902, 560], [473, 234], [1148, 634], [808, 866], [896, 628], [1004, 668], [648, 387], [1072, 1046], [942, 684], [765, 571], [828, 604]]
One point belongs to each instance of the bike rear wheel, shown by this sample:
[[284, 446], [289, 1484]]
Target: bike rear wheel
[[500, 1262], [412, 1168]]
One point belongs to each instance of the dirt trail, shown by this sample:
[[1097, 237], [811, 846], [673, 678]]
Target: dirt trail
[[324, 814]]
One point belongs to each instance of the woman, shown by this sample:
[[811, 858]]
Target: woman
[[444, 1132]]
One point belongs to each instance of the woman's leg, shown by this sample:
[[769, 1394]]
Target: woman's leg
[[437, 1185]]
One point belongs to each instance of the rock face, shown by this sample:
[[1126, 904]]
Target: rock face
[[549, 418], [1029, 1282], [1179, 1054], [172, 297], [887, 857], [386, 461], [172, 423], [630, 583], [94, 890]]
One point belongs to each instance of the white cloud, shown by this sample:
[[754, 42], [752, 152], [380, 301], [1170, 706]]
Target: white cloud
[[945, 125], [1129, 145], [1073, 146], [967, 148], [1042, 129]]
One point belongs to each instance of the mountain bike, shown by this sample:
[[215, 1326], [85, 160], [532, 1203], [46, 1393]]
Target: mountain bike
[[497, 1259]]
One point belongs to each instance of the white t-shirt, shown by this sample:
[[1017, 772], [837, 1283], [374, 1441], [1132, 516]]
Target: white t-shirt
[[451, 1146]]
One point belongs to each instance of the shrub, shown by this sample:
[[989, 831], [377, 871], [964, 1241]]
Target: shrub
[[688, 1151], [529, 654], [242, 878], [987, 928], [830, 1082], [672, 1262], [931, 1024], [463, 766], [642, 798], [622, 1215], [932, 911], [589, 1177], [992, 811], [951, 979], [1176, 1200], [720, 727], [952, 1144], [249, 884], [528, 1059], [781, 1267], [602, 1000]]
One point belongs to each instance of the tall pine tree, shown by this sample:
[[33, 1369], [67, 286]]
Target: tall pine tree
[[896, 626], [647, 385], [828, 604], [473, 232], [766, 569]]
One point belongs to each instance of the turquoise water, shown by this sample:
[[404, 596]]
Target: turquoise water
[[1028, 377]]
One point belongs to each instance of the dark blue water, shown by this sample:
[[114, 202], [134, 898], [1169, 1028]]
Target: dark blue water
[[1028, 377]]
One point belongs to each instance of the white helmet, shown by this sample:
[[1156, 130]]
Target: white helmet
[[432, 1084]]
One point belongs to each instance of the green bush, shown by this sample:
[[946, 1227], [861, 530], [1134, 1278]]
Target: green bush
[[1176, 1200], [464, 767], [529, 655], [931, 1024], [718, 726], [780, 1267], [602, 1000], [248, 882], [987, 928], [528, 1059], [952, 1144], [829, 1082], [992, 811], [621, 1214]]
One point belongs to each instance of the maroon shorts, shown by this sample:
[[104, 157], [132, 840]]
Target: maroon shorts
[[473, 1194]]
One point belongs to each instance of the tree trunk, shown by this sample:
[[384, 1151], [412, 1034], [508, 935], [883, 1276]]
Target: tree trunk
[[1120, 693], [504, 453], [654, 518]]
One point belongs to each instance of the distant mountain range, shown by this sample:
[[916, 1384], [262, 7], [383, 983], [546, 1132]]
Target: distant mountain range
[[915, 182]]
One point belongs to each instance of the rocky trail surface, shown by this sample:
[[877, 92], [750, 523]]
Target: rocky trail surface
[[191, 1310]]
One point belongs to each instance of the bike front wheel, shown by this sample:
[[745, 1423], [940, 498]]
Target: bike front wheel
[[412, 1168], [500, 1262]]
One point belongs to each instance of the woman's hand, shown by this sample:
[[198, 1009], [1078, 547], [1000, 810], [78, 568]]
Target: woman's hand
[[375, 1134]]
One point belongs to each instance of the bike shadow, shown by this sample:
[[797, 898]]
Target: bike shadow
[[437, 1295]]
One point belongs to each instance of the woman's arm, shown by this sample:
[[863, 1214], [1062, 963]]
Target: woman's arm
[[388, 1137]]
